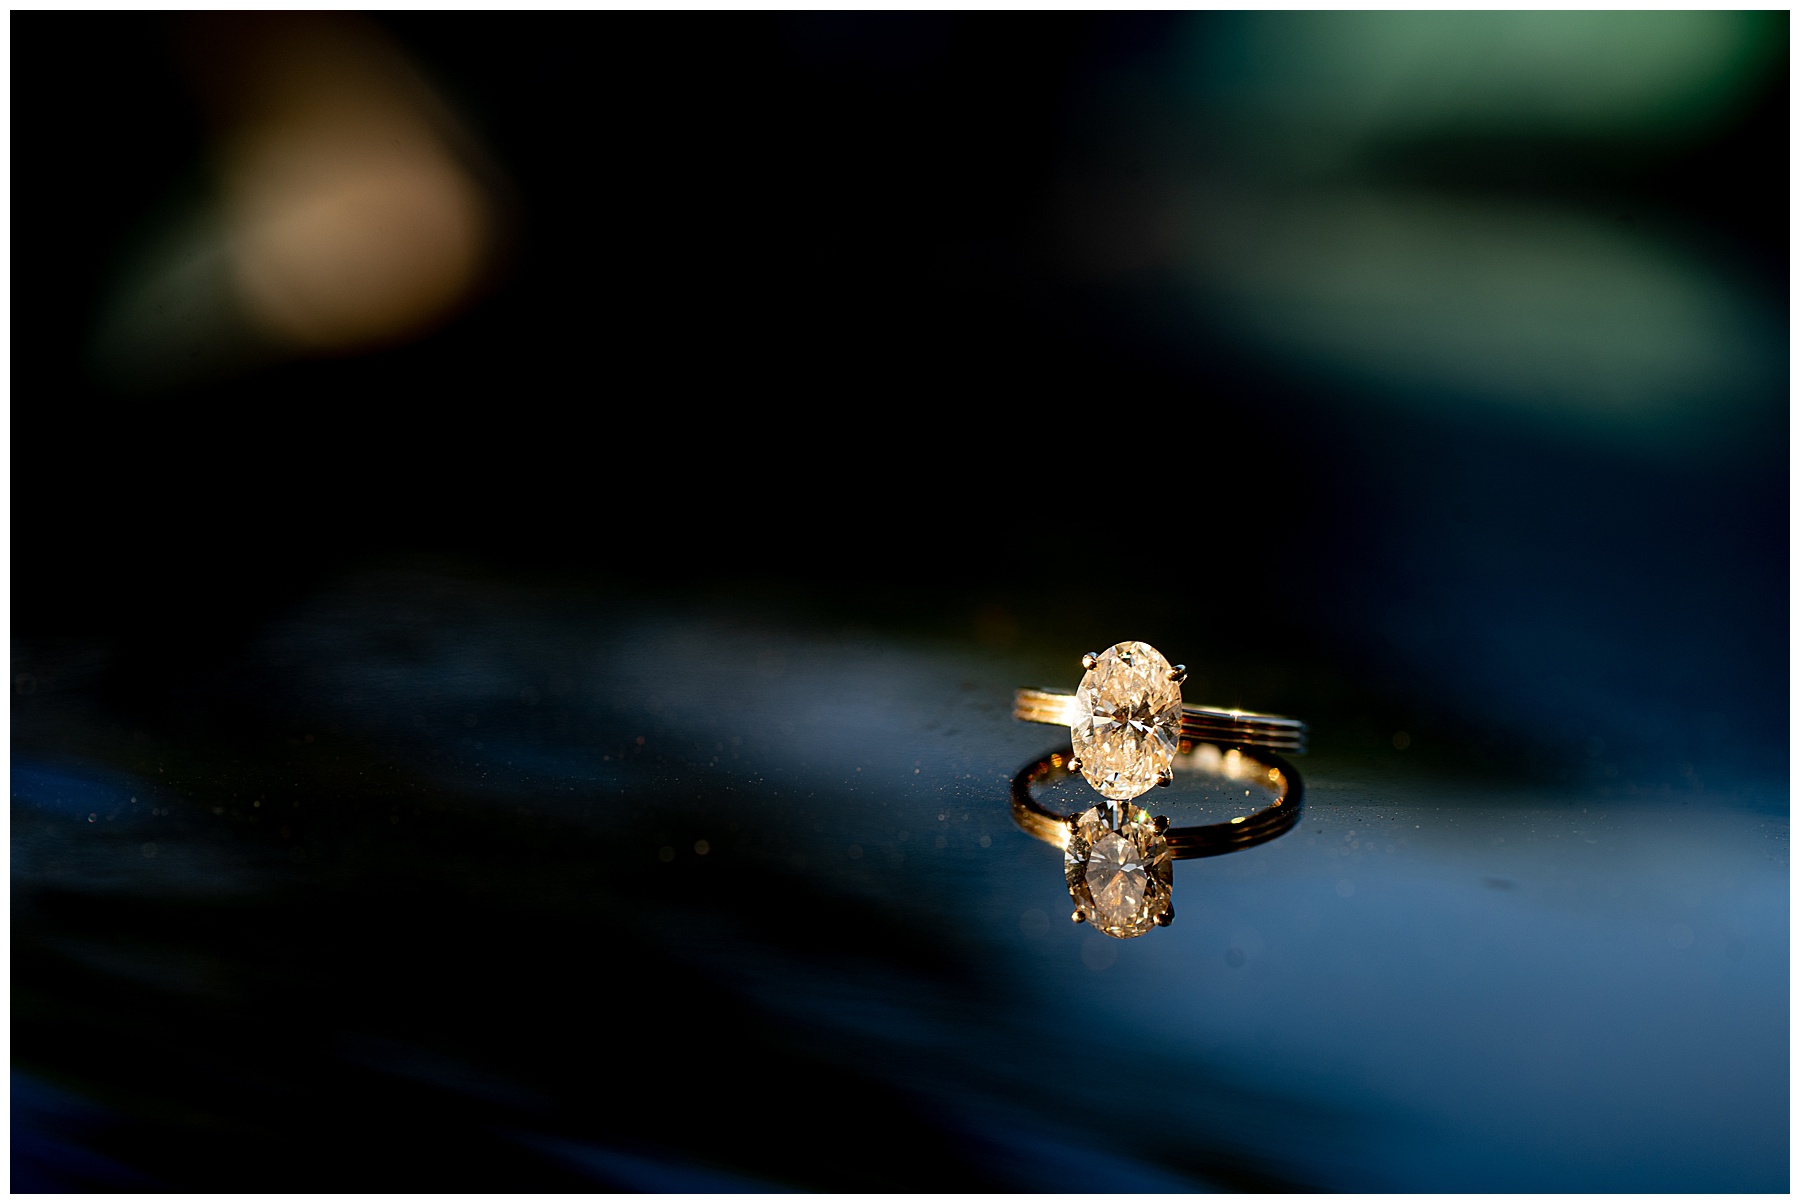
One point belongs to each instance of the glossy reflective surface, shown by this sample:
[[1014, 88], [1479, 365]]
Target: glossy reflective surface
[[573, 879]]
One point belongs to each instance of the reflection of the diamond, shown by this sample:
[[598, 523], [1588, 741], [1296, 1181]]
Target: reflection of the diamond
[[1261, 769]]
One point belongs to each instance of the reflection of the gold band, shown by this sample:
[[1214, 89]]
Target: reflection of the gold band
[[1200, 840]]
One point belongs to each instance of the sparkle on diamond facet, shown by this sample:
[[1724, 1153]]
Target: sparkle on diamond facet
[[1128, 720], [1121, 879]]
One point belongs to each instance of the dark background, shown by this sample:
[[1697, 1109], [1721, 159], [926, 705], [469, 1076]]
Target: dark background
[[787, 305], [793, 331]]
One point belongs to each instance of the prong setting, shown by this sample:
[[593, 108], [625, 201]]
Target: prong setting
[[1178, 673], [1165, 917], [1089, 660], [1165, 776], [1079, 915], [1074, 764], [1160, 823]]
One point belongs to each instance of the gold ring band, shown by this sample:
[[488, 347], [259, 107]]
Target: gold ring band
[[1199, 725]]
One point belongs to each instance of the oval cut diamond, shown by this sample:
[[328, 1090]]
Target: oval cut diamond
[[1128, 720], [1121, 879]]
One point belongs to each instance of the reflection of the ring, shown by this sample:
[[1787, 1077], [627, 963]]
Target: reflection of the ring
[[1202, 840], [1117, 866]]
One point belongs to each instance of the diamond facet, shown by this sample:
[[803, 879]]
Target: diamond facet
[[1120, 879], [1129, 720]]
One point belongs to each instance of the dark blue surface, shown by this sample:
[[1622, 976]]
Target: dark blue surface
[[1435, 982]]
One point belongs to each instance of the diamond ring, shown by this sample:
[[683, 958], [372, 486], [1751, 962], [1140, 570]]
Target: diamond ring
[[1118, 868], [1126, 721], [1127, 727]]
